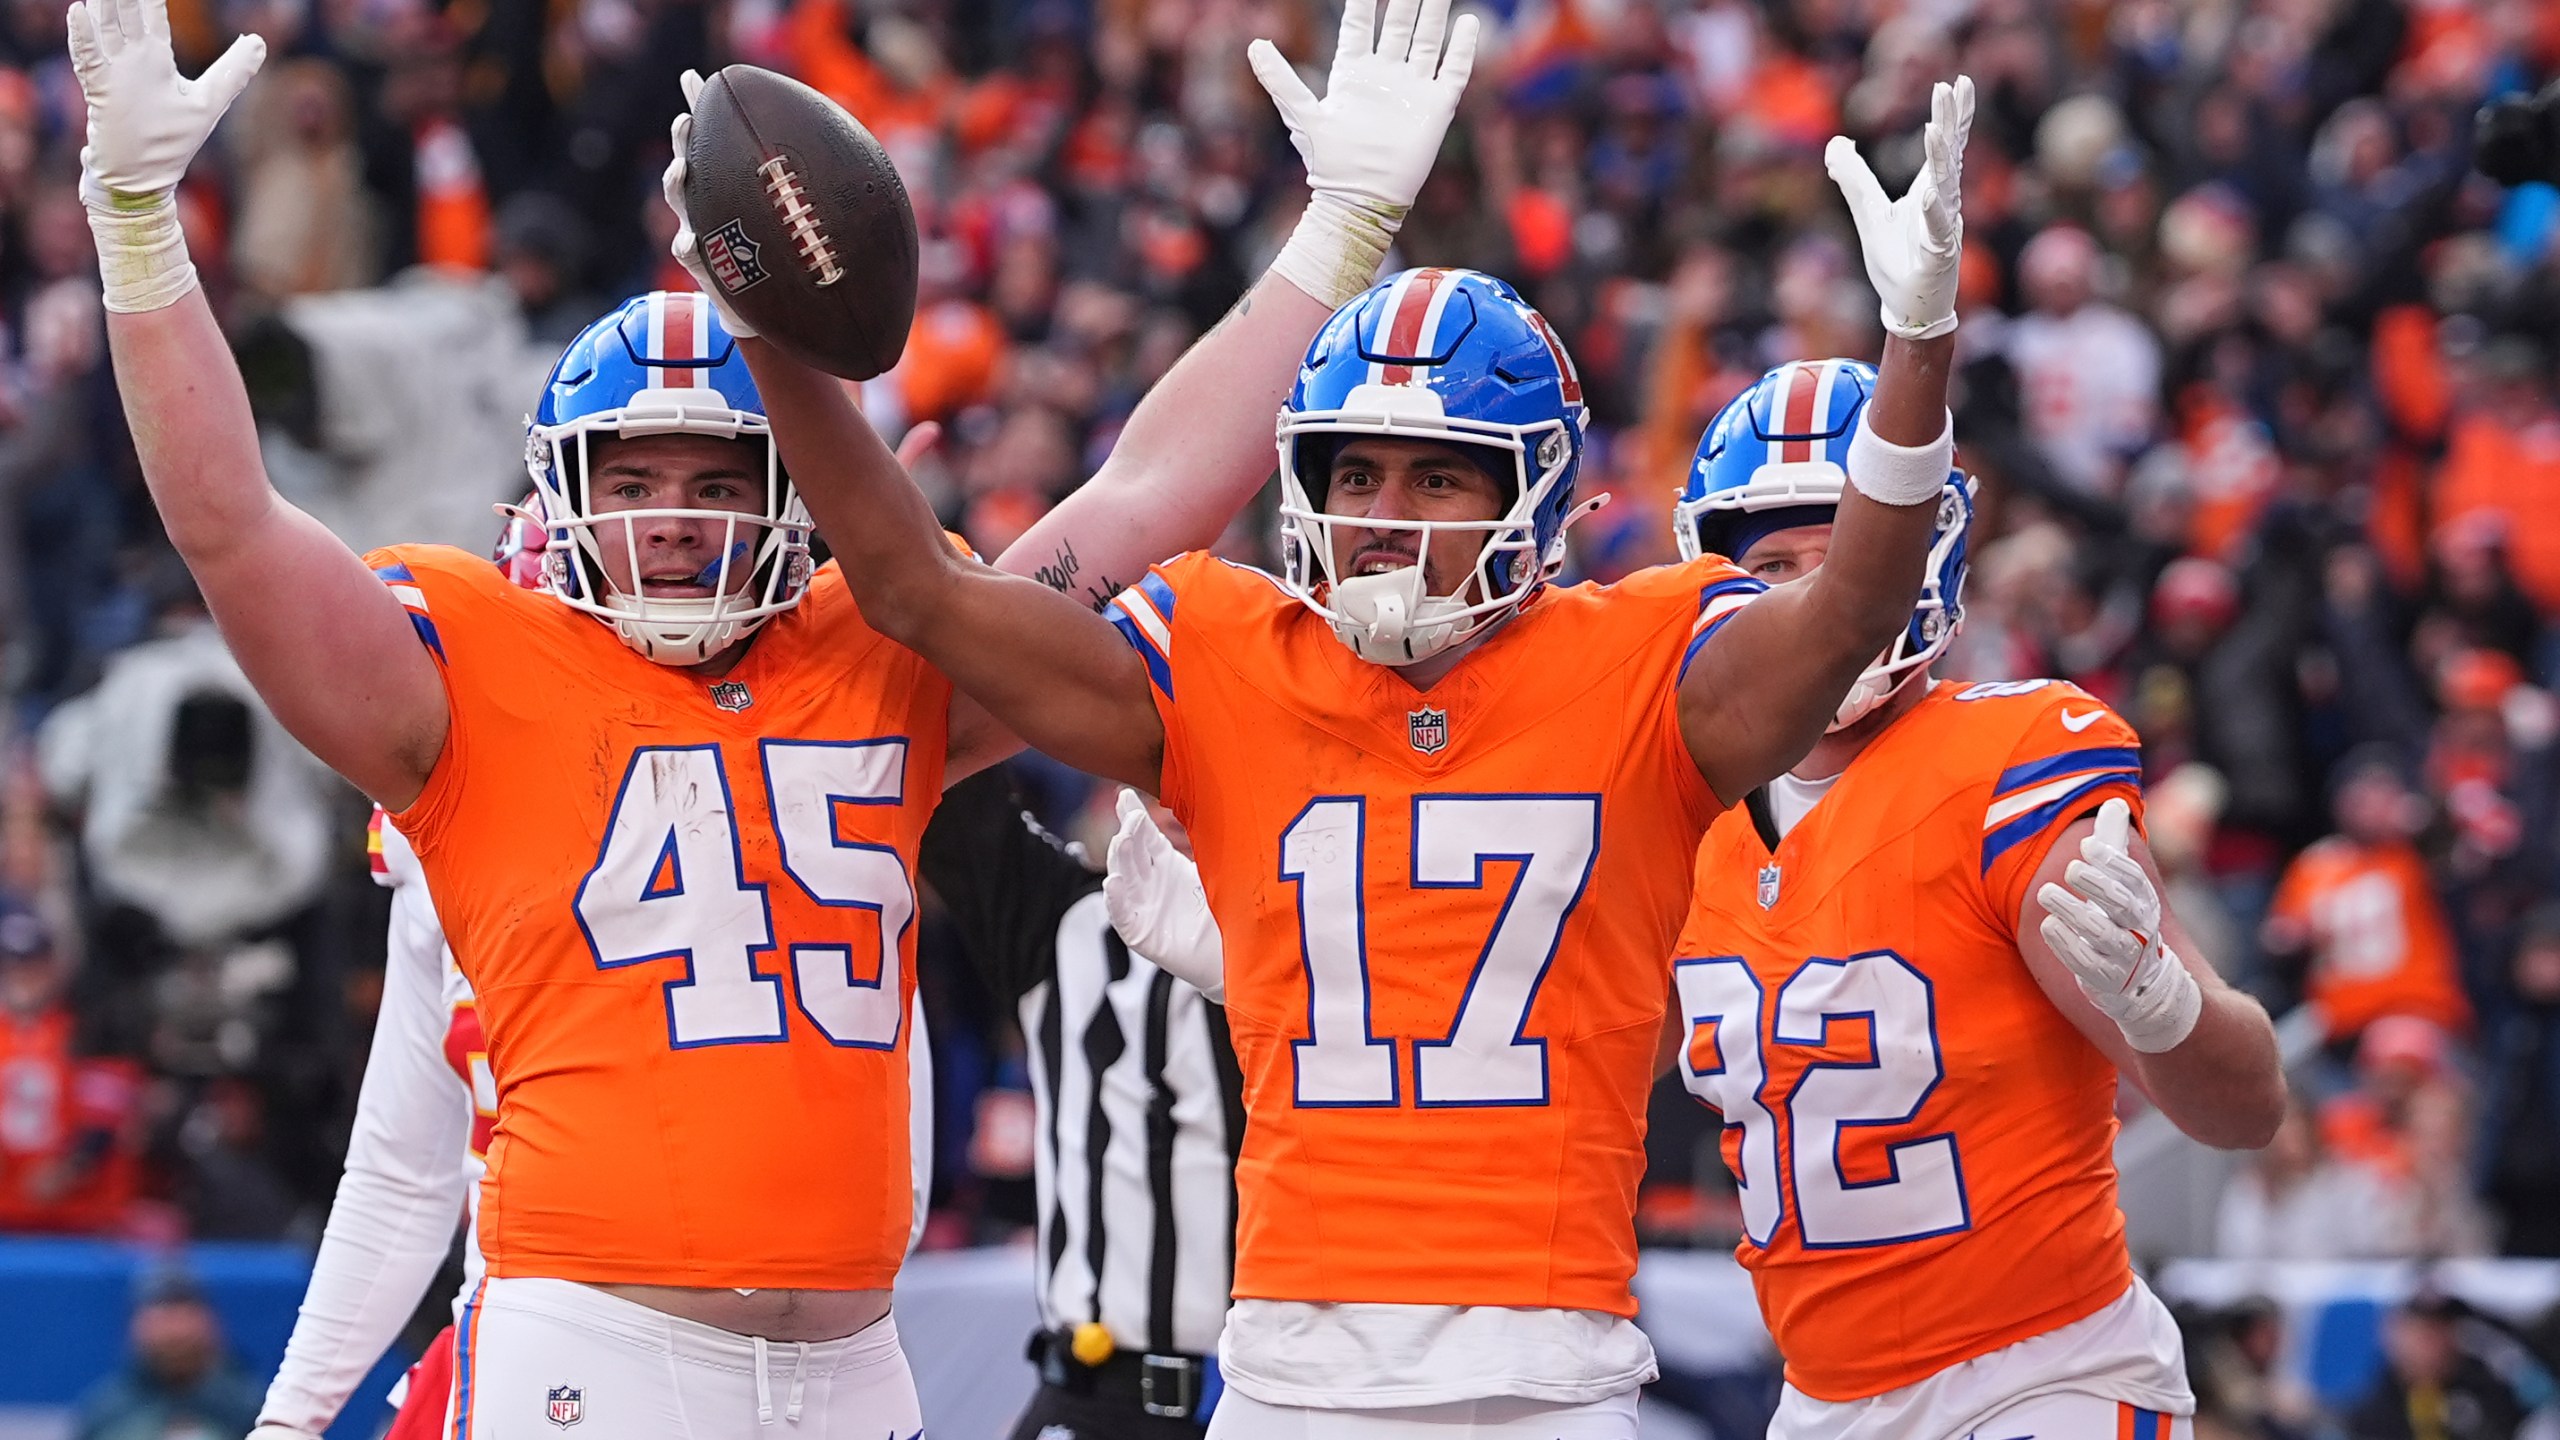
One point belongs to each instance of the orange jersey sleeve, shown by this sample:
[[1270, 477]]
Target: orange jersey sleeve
[[1448, 914], [1922, 1142], [685, 906], [2073, 754]]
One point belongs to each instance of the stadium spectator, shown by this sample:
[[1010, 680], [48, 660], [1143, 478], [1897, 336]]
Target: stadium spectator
[[2435, 1385], [2520, 1133], [2091, 371], [182, 1384], [2359, 911], [2293, 1201], [67, 1126], [2403, 1130]]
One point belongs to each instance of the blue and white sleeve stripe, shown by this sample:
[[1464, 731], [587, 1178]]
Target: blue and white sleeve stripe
[[1144, 615], [1718, 603], [2017, 818]]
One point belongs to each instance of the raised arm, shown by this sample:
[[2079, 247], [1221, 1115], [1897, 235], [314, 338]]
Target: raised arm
[[327, 645], [1199, 444], [1766, 685], [2118, 964], [1045, 667]]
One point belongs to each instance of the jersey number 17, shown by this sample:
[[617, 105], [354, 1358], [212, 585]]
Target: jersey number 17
[[1484, 1058]]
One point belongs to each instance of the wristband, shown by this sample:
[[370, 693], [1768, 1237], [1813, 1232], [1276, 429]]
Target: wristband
[[1891, 474], [1335, 252], [142, 254]]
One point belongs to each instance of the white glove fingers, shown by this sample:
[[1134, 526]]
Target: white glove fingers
[[2115, 825], [1131, 808], [1429, 32], [154, 17], [2109, 892], [2071, 909], [232, 70], [85, 60], [1359, 33], [1858, 184], [1289, 94], [129, 26], [1395, 32], [2097, 978], [1458, 60], [691, 83]]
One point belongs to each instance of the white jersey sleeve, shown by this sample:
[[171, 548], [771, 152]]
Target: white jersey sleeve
[[406, 1179]]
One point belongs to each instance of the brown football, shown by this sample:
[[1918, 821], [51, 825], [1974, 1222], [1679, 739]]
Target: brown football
[[804, 224]]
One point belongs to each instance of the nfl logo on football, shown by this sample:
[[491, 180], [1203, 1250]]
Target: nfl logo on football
[[731, 696], [1428, 729], [568, 1405], [732, 257]]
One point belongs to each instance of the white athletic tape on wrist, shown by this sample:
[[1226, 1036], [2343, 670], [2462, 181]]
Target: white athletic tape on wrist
[[1901, 474], [2166, 1020], [142, 256], [1943, 325], [1335, 252]]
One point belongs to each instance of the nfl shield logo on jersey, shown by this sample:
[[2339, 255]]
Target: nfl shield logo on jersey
[[1428, 729], [732, 257], [568, 1405], [731, 696], [1768, 885]]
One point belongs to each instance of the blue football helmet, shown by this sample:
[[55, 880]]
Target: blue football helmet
[[661, 364], [1776, 457], [1448, 355]]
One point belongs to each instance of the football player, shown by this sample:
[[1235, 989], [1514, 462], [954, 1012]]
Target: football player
[[1445, 812], [1915, 966], [420, 1144], [669, 807]]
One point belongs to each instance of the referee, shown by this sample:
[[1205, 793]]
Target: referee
[[1140, 1111]]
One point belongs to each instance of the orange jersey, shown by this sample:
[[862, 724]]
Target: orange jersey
[[686, 911], [2379, 942], [1447, 915], [1923, 1142], [55, 1108]]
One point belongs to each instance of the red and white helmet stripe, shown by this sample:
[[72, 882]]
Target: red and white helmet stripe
[[1409, 326], [679, 329], [1800, 410]]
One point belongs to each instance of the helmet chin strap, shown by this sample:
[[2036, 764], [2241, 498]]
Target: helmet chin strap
[[1872, 689], [1387, 619]]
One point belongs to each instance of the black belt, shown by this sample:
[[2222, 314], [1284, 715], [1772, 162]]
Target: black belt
[[1165, 1385]]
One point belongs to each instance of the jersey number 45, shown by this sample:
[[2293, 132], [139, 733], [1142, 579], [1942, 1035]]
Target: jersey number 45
[[670, 883]]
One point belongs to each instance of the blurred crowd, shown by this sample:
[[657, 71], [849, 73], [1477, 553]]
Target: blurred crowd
[[2257, 378]]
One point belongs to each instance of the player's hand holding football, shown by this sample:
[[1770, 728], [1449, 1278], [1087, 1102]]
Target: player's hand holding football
[[1915, 245], [146, 122], [2106, 928], [1370, 141], [687, 247], [1153, 893]]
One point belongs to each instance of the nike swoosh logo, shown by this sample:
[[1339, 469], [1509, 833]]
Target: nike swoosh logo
[[2077, 723]]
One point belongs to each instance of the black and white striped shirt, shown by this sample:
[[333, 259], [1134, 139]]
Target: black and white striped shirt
[[1140, 1105]]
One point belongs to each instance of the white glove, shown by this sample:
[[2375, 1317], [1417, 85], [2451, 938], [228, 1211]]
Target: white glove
[[1370, 141], [146, 122], [280, 1432], [1914, 245], [686, 247], [1153, 893], [2108, 933]]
